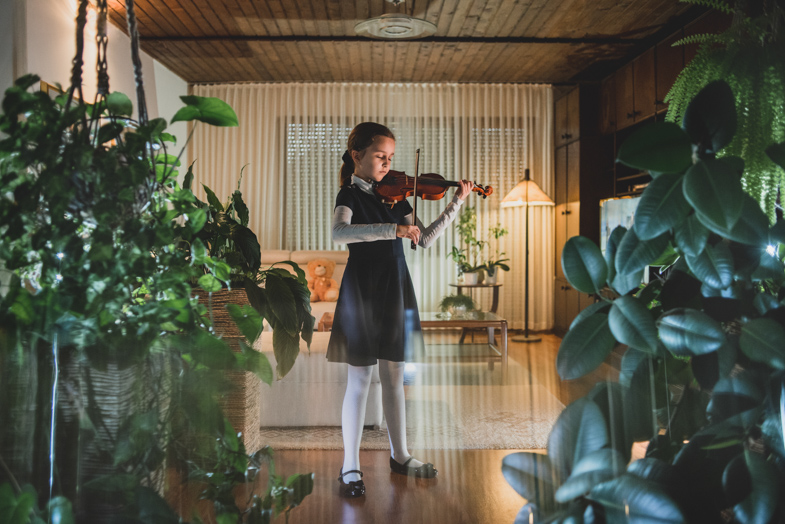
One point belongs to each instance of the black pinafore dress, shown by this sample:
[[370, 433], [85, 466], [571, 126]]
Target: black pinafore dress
[[376, 315]]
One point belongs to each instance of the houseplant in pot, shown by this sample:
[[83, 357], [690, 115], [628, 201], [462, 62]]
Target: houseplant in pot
[[467, 256], [702, 378], [457, 304], [104, 348], [495, 262]]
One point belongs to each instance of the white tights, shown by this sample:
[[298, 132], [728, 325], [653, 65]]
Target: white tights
[[353, 413]]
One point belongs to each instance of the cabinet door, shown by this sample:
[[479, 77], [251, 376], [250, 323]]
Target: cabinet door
[[560, 121], [608, 106], [561, 175], [573, 303], [573, 213], [560, 224], [645, 94], [560, 323], [573, 115], [573, 171], [624, 101], [669, 63]]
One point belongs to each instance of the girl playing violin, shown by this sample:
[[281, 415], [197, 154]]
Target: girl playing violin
[[375, 298]]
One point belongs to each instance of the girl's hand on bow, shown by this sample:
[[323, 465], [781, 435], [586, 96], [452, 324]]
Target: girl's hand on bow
[[464, 189], [410, 232]]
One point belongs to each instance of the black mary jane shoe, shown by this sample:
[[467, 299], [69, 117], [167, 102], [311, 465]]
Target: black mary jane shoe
[[426, 471], [351, 489]]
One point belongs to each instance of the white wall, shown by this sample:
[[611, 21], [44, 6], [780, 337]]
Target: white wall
[[42, 40]]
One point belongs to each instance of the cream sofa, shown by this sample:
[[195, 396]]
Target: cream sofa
[[311, 394]]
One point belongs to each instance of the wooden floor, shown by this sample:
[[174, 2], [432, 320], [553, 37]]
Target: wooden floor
[[470, 487]]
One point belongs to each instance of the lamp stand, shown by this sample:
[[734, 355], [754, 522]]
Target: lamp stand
[[526, 337]]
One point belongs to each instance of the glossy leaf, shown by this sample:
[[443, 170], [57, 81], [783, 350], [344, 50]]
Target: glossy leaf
[[713, 189], [633, 254], [597, 307], [579, 431], [282, 304], [763, 340], [592, 469], [770, 268], [713, 266], [710, 118], [630, 361], [247, 319], [691, 236], [662, 147], [610, 251], [531, 476], [764, 303], [584, 265], [585, 347], [632, 324], [690, 332], [212, 199], [766, 491], [737, 400], [662, 207], [653, 469], [109, 132], [286, 347], [209, 110], [210, 284], [633, 499]]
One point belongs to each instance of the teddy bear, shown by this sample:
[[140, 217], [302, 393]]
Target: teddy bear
[[323, 287]]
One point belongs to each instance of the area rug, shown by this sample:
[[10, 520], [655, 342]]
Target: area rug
[[449, 417]]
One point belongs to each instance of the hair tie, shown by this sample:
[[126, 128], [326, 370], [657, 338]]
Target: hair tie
[[347, 158]]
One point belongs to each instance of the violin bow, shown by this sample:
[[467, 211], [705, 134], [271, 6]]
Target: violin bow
[[414, 207]]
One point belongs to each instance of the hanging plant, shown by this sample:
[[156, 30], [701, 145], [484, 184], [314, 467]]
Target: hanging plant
[[749, 57]]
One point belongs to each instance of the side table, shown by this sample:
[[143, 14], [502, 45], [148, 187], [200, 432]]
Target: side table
[[494, 303]]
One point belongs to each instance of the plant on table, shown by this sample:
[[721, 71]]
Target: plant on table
[[455, 303], [496, 260], [703, 377], [467, 257], [102, 347]]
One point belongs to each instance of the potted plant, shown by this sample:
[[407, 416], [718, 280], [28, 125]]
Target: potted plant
[[467, 257], [457, 304], [702, 377], [495, 262], [748, 56], [106, 351]]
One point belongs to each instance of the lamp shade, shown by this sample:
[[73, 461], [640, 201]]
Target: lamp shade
[[526, 193]]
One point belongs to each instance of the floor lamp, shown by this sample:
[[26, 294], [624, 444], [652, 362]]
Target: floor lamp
[[527, 193]]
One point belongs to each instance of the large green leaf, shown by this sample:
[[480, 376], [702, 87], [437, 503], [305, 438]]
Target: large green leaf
[[585, 347], [531, 476], [281, 304], [60, 511], [633, 254], [770, 268], [592, 469], [690, 332], [714, 266], [630, 361], [209, 110], [691, 236], [653, 469], [662, 206], [632, 324], [752, 227], [710, 118], [713, 189], [247, 319], [661, 147], [610, 251], [286, 347], [212, 199], [119, 104], [777, 154], [736, 399], [212, 352], [579, 431], [210, 284], [153, 508], [584, 265], [598, 307], [256, 362], [763, 340], [766, 493], [13, 509], [633, 499]]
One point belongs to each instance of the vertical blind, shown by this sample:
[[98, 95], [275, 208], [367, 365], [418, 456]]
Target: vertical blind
[[289, 146]]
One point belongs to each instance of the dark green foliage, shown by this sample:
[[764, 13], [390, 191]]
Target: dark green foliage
[[702, 375]]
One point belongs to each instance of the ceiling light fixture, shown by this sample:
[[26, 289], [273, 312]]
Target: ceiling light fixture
[[395, 26]]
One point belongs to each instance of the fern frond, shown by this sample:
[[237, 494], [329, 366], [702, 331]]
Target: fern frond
[[706, 38], [719, 5]]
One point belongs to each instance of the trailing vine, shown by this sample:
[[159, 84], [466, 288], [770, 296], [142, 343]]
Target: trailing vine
[[749, 57]]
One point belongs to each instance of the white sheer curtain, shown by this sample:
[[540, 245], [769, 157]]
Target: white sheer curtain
[[291, 138]]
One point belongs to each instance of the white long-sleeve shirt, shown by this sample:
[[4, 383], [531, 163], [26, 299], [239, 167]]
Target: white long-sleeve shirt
[[344, 232]]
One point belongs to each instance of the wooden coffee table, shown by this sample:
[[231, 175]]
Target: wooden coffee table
[[475, 319]]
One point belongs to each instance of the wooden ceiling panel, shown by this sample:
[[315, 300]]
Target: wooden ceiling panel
[[549, 41]]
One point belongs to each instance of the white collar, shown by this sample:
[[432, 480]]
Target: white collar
[[364, 185]]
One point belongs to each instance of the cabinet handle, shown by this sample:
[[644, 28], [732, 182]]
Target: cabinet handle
[[568, 136], [631, 115], [567, 212]]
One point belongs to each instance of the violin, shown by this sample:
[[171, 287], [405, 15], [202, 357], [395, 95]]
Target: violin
[[397, 186]]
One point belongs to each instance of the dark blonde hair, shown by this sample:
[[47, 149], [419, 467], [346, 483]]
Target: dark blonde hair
[[360, 138]]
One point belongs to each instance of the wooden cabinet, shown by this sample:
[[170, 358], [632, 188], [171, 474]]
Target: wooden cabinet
[[567, 303], [567, 225], [566, 118], [644, 86], [573, 171], [608, 106], [560, 172], [669, 63], [625, 105]]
